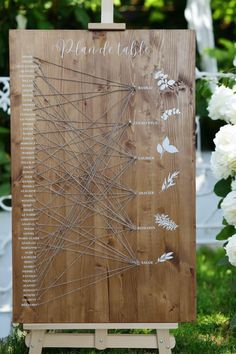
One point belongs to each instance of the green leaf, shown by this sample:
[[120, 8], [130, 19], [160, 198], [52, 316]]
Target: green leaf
[[4, 130], [233, 285], [5, 189], [226, 232], [4, 158], [219, 204], [233, 322], [223, 261], [224, 222], [82, 16], [223, 187], [227, 44]]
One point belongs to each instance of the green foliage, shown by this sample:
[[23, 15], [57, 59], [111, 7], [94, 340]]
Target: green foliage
[[4, 162], [223, 187], [224, 55], [203, 93], [224, 11], [226, 232], [233, 322], [14, 344]]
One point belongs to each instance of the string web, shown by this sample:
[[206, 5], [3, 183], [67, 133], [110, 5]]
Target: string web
[[80, 195]]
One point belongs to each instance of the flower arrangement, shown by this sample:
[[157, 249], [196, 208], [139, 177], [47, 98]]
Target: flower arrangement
[[222, 105]]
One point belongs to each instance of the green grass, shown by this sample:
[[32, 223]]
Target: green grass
[[210, 334]]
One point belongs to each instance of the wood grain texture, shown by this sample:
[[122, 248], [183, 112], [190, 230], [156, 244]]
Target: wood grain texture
[[87, 176]]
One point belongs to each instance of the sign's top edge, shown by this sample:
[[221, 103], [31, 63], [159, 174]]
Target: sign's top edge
[[87, 30]]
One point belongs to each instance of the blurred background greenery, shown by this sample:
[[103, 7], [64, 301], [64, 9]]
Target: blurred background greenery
[[75, 14]]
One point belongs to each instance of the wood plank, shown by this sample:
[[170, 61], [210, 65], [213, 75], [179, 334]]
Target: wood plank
[[99, 192], [72, 326], [107, 26], [77, 340]]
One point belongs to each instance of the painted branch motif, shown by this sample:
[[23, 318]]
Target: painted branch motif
[[170, 112], [162, 80], [165, 257], [166, 222], [169, 181]]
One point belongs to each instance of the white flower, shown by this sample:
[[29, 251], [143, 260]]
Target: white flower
[[231, 249], [225, 138], [228, 207], [222, 104], [230, 108], [233, 185], [223, 160], [219, 165]]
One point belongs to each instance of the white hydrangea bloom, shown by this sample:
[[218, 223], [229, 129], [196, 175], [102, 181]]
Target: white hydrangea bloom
[[219, 165], [231, 249], [228, 207], [225, 138], [223, 160], [233, 185], [222, 104], [230, 108]]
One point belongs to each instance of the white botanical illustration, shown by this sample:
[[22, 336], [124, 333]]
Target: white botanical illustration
[[166, 146], [165, 257], [165, 221], [169, 181], [162, 80], [170, 112]]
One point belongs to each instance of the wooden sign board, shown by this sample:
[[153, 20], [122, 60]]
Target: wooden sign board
[[103, 176]]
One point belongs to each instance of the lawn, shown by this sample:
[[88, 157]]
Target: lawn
[[211, 334]]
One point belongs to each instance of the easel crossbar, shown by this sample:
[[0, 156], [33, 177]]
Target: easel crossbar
[[39, 337], [71, 326]]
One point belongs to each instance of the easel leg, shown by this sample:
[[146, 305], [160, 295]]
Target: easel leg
[[100, 339], [163, 340], [34, 340]]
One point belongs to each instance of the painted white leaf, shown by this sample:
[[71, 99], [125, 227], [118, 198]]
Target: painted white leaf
[[169, 254], [160, 82], [171, 82], [169, 112], [163, 87], [165, 257], [166, 142], [167, 147], [164, 186], [159, 149], [164, 116], [171, 149], [157, 74]]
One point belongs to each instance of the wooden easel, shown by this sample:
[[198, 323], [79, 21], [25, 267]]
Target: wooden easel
[[39, 337], [44, 335]]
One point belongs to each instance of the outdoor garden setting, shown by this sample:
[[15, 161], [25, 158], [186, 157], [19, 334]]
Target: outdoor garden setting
[[95, 268]]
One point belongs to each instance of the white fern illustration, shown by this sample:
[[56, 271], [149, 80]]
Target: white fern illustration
[[170, 112], [162, 80], [166, 146], [169, 181], [164, 221], [165, 257]]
